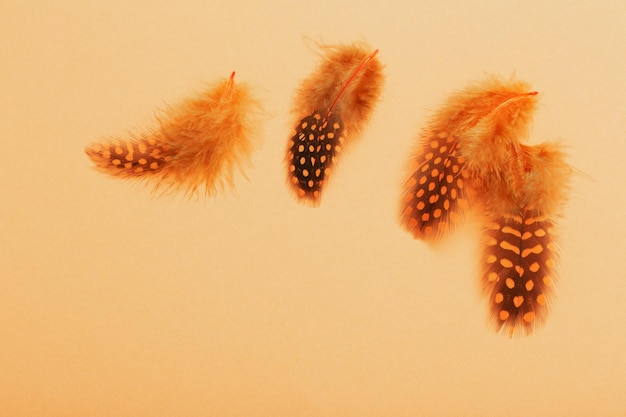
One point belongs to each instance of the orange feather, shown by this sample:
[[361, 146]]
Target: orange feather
[[470, 159], [332, 107], [200, 142]]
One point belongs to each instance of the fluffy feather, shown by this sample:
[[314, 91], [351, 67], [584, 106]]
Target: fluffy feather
[[332, 106], [471, 159], [200, 142]]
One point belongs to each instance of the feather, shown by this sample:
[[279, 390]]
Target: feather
[[470, 160], [200, 142], [332, 106]]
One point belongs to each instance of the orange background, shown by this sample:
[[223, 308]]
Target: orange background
[[117, 303]]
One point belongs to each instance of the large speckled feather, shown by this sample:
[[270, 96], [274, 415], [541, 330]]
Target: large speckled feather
[[470, 159]]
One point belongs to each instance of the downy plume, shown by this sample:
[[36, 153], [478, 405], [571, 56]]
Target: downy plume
[[470, 159]]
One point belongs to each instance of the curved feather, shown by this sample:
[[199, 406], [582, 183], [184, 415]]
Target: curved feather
[[199, 143]]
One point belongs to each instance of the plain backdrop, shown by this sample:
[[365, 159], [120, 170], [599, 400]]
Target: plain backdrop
[[114, 302]]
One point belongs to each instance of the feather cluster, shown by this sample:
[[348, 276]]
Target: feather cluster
[[199, 143], [470, 159], [331, 107]]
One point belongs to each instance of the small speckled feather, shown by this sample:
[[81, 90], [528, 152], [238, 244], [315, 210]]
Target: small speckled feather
[[198, 143]]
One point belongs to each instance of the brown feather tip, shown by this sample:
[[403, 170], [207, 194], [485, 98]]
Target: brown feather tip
[[519, 258], [199, 143], [332, 106]]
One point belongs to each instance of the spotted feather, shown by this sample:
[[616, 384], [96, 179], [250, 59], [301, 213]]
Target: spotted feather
[[197, 144], [472, 147], [336, 100]]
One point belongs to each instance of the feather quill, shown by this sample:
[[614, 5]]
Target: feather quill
[[200, 142], [470, 159], [332, 107]]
